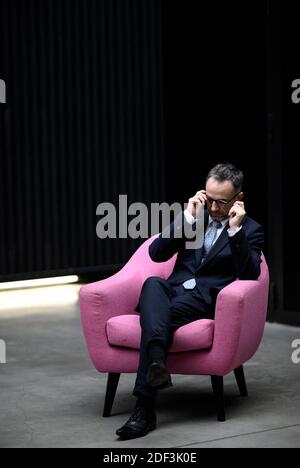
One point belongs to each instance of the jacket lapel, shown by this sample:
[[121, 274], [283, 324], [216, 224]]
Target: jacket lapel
[[199, 252]]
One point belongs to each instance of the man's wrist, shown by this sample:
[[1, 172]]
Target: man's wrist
[[189, 217], [233, 230]]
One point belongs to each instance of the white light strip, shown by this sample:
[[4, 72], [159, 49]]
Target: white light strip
[[30, 301], [39, 282]]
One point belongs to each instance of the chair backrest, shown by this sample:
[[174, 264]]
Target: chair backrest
[[142, 262]]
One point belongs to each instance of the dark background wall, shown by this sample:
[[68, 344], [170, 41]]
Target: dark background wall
[[82, 124], [142, 97], [214, 91], [290, 70]]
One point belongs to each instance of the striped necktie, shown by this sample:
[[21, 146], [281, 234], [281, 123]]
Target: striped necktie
[[211, 236]]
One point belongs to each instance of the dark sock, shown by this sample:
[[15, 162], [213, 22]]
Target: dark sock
[[156, 351]]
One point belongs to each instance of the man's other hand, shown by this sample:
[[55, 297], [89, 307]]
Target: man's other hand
[[196, 203], [236, 214]]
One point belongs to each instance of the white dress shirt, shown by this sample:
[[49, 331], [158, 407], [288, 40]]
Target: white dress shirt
[[231, 231]]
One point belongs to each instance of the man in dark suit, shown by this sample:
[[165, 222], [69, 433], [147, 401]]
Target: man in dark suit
[[231, 249]]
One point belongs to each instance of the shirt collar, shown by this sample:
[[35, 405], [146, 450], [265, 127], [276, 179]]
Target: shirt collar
[[223, 222]]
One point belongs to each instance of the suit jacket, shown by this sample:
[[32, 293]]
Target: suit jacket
[[229, 258]]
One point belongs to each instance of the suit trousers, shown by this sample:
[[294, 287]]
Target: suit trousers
[[163, 309]]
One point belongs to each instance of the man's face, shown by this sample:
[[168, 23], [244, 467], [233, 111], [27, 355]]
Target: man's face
[[220, 198]]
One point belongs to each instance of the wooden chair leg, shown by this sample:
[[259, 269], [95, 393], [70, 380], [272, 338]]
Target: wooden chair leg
[[218, 390], [241, 381], [111, 388]]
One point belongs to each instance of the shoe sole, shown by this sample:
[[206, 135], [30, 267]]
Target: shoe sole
[[134, 436], [158, 378], [164, 386]]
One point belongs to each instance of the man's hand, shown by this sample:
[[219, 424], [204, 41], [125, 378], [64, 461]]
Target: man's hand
[[197, 203], [236, 214]]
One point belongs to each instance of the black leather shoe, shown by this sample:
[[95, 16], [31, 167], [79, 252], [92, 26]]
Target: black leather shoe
[[141, 422], [158, 375]]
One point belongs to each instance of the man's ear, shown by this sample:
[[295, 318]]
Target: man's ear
[[240, 196]]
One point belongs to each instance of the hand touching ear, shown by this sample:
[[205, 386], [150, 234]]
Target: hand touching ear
[[196, 203], [236, 214]]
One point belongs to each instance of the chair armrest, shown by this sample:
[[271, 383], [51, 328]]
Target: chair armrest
[[116, 295], [240, 316]]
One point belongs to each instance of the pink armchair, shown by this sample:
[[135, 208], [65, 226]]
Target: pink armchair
[[204, 347]]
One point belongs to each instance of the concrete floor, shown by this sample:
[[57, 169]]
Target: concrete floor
[[51, 396]]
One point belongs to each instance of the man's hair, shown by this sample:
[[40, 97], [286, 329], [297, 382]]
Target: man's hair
[[222, 172]]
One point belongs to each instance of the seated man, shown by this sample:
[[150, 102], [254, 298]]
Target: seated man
[[231, 249]]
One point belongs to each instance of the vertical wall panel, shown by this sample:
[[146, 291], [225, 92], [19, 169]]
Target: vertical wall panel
[[82, 124]]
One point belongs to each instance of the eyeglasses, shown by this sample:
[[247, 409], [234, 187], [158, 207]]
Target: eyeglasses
[[220, 203]]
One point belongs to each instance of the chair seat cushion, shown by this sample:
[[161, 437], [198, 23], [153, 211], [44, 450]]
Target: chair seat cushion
[[125, 331]]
